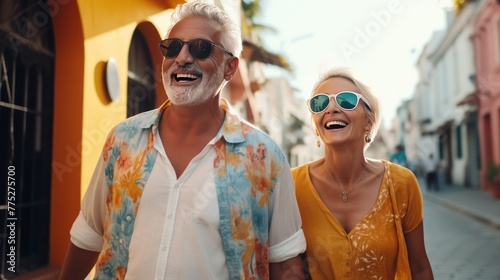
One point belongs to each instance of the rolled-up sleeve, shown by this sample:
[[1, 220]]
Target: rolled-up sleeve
[[84, 237], [286, 238], [87, 230]]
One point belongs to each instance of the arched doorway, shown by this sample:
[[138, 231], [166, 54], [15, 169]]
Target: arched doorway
[[141, 93]]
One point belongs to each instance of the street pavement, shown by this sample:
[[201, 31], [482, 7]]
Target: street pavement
[[462, 233]]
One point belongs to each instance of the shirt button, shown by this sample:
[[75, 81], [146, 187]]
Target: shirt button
[[348, 251], [347, 274], [169, 216], [348, 263], [176, 187]]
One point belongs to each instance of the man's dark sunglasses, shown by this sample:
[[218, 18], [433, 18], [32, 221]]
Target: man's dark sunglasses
[[198, 48]]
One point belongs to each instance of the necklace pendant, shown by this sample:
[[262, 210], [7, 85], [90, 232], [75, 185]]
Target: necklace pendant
[[344, 197]]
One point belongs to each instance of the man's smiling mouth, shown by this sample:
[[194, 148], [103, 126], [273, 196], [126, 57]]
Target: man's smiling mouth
[[185, 77]]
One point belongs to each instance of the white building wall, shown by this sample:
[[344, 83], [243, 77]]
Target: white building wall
[[435, 96], [412, 134], [276, 103], [309, 151], [452, 61], [270, 107], [465, 66], [427, 145], [427, 104]]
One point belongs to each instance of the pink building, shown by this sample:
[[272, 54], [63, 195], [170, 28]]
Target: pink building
[[486, 39]]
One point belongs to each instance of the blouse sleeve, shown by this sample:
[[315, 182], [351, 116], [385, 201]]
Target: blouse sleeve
[[412, 201]]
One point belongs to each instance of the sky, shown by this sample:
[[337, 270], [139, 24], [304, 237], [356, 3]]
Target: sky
[[379, 40]]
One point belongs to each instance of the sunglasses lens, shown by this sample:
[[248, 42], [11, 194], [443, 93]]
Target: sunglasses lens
[[347, 100], [171, 47], [200, 48], [319, 103]]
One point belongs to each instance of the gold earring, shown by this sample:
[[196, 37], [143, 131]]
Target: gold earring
[[368, 137], [318, 143]]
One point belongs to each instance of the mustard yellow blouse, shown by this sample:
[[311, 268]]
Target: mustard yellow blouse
[[375, 247]]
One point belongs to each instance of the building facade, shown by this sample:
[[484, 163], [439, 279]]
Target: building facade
[[486, 36], [448, 120]]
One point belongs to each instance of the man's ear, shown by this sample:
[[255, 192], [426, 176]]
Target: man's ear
[[231, 67]]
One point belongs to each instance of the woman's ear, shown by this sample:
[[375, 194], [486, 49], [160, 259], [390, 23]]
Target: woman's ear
[[368, 125]]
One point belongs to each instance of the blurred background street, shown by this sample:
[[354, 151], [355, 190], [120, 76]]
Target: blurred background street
[[462, 239]]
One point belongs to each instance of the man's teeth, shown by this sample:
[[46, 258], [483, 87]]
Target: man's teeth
[[337, 124], [185, 77]]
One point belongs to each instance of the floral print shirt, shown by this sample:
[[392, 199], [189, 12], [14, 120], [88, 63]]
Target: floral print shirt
[[247, 169]]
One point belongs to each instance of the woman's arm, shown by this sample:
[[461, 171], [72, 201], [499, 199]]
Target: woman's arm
[[419, 262]]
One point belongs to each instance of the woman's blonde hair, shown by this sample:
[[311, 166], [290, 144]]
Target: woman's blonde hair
[[372, 111]]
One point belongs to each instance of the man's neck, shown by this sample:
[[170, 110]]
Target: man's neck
[[192, 121]]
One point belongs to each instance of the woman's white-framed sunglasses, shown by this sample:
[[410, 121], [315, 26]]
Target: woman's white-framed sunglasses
[[347, 100]]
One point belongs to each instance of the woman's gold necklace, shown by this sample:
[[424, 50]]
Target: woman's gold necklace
[[345, 193]]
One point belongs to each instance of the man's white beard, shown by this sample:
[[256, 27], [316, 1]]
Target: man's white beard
[[192, 96]]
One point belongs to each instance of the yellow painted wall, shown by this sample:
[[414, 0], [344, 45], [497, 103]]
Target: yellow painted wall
[[87, 34], [108, 28]]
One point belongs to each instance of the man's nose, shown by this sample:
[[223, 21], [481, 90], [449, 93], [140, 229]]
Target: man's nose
[[184, 57]]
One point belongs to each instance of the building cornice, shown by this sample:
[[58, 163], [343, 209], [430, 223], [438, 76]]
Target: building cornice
[[463, 19]]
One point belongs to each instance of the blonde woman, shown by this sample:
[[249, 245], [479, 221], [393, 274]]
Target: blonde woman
[[362, 217]]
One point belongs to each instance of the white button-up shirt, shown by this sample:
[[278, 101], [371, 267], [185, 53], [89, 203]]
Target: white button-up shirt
[[176, 233]]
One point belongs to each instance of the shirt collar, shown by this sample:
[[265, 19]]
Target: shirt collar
[[231, 129]]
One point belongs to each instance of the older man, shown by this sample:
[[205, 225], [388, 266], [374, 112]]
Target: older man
[[190, 190]]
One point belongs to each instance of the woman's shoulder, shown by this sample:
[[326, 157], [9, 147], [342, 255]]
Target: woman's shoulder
[[403, 179], [306, 168], [301, 169], [398, 171]]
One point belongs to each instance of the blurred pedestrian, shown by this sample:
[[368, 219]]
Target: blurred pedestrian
[[399, 157], [431, 166]]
